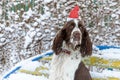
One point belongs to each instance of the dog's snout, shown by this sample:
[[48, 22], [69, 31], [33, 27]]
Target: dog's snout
[[76, 35]]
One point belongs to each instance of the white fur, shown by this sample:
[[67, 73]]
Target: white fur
[[76, 22], [76, 29], [63, 66]]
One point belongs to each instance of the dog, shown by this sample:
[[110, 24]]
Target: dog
[[70, 45]]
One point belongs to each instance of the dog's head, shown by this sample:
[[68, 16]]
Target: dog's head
[[72, 32], [75, 36]]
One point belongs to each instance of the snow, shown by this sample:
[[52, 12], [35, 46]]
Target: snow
[[0, 10], [113, 3], [1, 35], [109, 54], [9, 29], [29, 37], [47, 1], [2, 39], [53, 34], [117, 22], [39, 34], [28, 40], [105, 74], [118, 12], [35, 24], [115, 16], [47, 30], [23, 76], [29, 65], [43, 23]]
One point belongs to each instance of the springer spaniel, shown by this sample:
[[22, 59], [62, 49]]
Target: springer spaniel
[[71, 43]]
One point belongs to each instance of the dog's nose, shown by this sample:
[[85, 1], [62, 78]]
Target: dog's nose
[[76, 35]]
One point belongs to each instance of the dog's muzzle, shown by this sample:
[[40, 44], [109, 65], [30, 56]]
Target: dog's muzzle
[[76, 40]]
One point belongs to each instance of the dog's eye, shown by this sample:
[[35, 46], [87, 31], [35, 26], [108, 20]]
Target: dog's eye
[[79, 25]]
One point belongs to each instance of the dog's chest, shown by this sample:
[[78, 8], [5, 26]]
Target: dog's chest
[[70, 66], [65, 66]]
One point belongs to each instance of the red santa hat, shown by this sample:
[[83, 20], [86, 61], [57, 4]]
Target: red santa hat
[[74, 13]]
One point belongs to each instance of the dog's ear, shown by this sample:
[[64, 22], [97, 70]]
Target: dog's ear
[[86, 45], [58, 41]]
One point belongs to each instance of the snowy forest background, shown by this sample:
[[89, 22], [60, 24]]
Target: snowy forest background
[[28, 27]]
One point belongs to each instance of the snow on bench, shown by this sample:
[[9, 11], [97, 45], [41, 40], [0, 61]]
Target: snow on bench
[[107, 62], [104, 65]]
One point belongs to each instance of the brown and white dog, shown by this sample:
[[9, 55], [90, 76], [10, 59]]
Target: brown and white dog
[[71, 43]]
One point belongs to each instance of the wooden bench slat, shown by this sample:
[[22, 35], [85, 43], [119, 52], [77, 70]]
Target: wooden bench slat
[[109, 78], [102, 62], [93, 61]]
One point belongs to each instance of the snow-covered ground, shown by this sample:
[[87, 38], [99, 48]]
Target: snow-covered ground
[[30, 64], [34, 63]]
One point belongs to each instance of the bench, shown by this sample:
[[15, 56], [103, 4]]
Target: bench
[[104, 64]]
